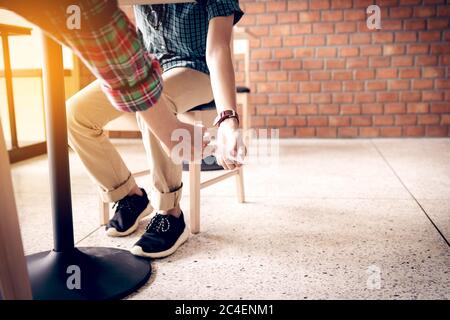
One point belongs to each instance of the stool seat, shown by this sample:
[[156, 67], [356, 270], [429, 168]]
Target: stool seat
[[242, 89]]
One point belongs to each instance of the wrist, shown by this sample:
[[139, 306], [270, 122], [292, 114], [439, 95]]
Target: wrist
[[230, 122]]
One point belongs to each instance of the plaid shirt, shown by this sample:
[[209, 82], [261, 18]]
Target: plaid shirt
[[176, 33], [108, 44]]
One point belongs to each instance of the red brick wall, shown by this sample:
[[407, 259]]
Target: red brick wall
[[318, 71]]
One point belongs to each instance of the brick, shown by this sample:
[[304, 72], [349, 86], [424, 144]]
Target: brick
[[314, 41], [433, 24], [442, 84], [275, 6], [328, 109], [266, 87], [309, 16], [386, 73], [379, 62], [277, 76], [286, 132], [414, 131], [390, 132], [310, 87], [305, 132], [415, 24], [384, 120], [387, 96], [348, 51], [283, 53], [261, 54], [258, 121], [409, 73], [354, 63], [372, 108], [298, 121], [339, 121], [331, 86], [426, 60], [417, 107], [445, 119], [299, 98], [317, 121], [341, 4], [337, 39], [429, 36], [307, 109], [428, 119], [399, 84], [319, 4], [427, 11], [440, 48], [354, 15], [391, 25], [400, 12], [382, 37], [301, 28], [418, 49], [320, 28], [345, 27], [433, 72], [402, 61], [299, 76], [342, 75], [410, 96], [364, 74], [258, 98], [275, 121], [288, 87], [286, 110], [335, 64], [405, 37], [269, 65], [304, 52], [291, 64], [420, 84], [342, 98], [270, 42], [334, 15], [278, 99], [371, 51], [312, 64], [326, 52], [360, 121], [364, 97], [321, 98], [366, 132], [297, 5], [262, 19], [394, 108], [260, 31], [348, 109], [432, 96], [436, 131], [293, 41], [376, 85], [345, 132], [280, 30], [390, 50], [320, 75], [353, 86], [265, 110], [287, 17], [405, 119], [328, 132]]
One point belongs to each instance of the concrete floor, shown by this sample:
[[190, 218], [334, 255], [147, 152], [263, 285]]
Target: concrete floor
[[336, 219]]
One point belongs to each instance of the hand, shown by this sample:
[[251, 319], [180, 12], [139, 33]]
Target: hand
[[230, 148], [187, 143]]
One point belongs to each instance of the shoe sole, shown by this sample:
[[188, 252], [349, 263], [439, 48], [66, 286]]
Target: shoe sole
[[137, 250], [112, 232]]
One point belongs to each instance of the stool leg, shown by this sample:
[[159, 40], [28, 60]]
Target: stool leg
[[14, 280], [104, 211], [240, 185], [194, 196]]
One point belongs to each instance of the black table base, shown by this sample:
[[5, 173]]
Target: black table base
[[86, 274], [68, 272]]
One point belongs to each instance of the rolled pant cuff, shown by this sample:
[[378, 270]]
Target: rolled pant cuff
[[120, 192], [165, 201]]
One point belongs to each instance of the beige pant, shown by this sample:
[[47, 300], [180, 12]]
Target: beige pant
[[89, 111]]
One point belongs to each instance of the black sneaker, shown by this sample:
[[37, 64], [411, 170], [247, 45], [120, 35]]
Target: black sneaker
[[129, 211], [163, 235]]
